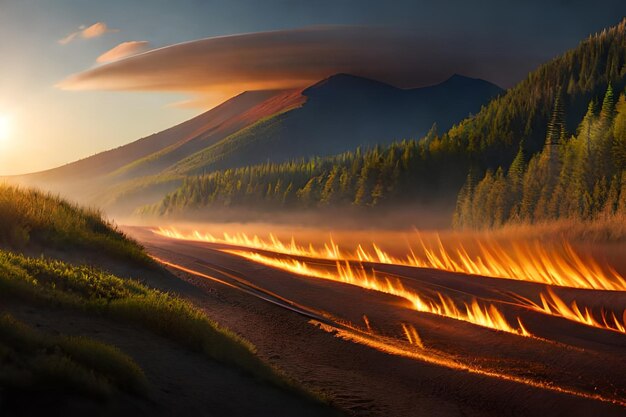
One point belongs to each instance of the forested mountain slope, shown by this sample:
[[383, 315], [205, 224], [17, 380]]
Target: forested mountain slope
[[341, 113], [581, 177], [334, 115], [437, 165]]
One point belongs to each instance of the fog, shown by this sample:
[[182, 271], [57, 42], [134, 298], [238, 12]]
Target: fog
[[550, 242]]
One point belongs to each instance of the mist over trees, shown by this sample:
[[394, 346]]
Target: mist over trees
[[382, 174]]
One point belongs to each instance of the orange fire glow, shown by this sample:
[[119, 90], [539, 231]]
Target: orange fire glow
[[411, 335], [389, 346], [552, 304], [530, 261], [486, 315]]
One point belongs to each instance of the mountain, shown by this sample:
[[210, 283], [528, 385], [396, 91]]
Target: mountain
[[334, 115], [195, 133], [226, 119], [341, 113], [436, 167]]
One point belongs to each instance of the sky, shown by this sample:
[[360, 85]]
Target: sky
[[81, 76]]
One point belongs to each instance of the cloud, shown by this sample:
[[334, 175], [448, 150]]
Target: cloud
[[69, 38], [123, 50], [224, 66], [94, 31]]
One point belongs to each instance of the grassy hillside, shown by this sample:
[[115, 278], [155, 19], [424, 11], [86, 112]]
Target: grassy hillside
[[65, 368], [203, 128], [239, 146], [230, 117], [34, 362], [42, 281], [32, 218]]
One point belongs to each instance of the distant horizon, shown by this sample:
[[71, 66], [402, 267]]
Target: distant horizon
[[105, 50]]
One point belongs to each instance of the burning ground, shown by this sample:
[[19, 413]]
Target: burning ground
[[492, 327]]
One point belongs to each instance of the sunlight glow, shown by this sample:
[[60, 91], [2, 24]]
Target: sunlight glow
[[5, 127]]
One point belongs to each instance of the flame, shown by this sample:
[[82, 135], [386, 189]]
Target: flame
[[554, 305], [532, 261], [388, 346], [367, 323], [486, 315], [412, 335]]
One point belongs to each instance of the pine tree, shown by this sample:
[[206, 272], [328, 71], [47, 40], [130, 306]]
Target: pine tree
[[555, 137], [619, 134], [608, 107], [587, 125], [480, 206], [518, 166], [612, 198], [462, 217]]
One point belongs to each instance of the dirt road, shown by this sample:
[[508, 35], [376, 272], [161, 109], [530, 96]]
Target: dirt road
[[315, 330]]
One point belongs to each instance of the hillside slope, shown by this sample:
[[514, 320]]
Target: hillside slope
[[154, 151], [77, 340], [342, 113], [334, 115], [581, 74]]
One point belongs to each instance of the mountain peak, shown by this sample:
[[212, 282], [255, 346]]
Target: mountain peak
[[343, 83], [459, 78], [456, 81]]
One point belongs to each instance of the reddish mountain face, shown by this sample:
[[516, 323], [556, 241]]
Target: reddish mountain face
[[221, 124], [175, 142]]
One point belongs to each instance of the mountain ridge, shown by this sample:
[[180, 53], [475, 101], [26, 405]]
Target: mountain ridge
[[334, 115], [377, 113]]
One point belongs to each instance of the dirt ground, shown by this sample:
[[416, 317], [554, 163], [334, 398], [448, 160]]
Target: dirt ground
[[526, 376]]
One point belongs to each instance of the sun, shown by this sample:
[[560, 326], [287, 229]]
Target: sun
[[5, 127]]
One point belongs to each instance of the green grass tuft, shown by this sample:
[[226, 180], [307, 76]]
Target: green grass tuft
[[30, 217], [33, 361], [53, 282]]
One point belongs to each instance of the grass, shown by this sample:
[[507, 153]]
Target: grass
[[33, 218], [33, 361], [36, 222], [52, 282]]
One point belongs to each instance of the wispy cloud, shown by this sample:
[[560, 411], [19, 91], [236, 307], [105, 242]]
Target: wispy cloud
[[87, 32], [123, 50]]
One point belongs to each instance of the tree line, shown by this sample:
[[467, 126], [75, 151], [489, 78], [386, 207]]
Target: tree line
[[370, 177], [582, 176]]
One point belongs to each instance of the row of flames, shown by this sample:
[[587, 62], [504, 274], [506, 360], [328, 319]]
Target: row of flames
[[475, 312], [552, 268], [524, 261]]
